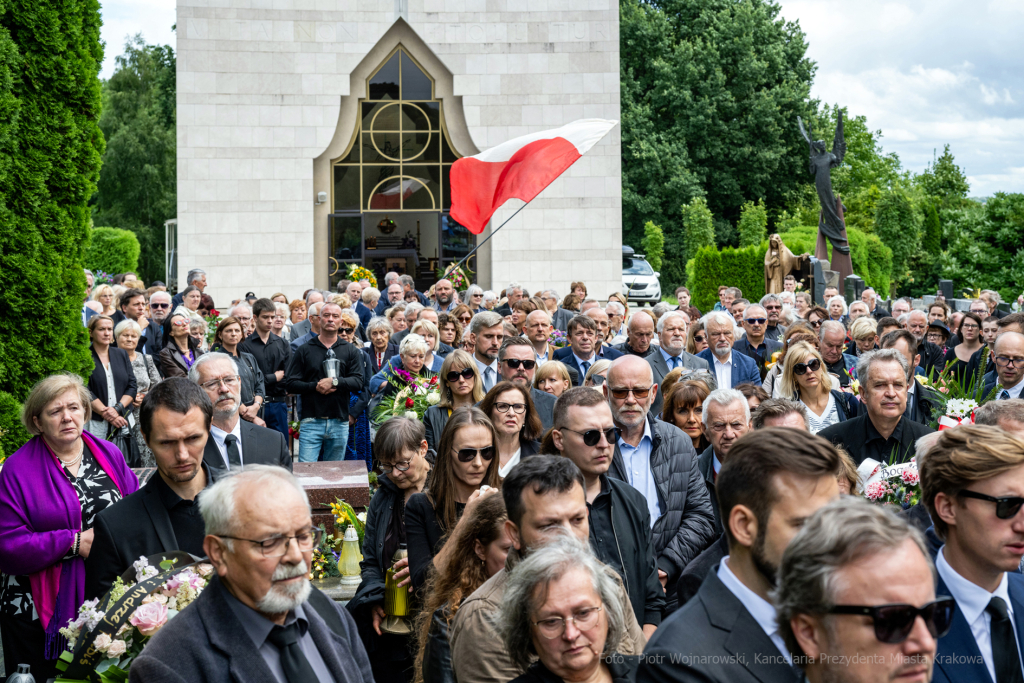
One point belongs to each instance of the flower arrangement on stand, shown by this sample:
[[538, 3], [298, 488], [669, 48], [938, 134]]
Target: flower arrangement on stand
[[958, 400], [412, 400], [461, 278], [110, 632], [357, 273], [558, 339]]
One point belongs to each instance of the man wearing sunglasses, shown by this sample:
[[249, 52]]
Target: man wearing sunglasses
[[259, 619], [775, 480], [972, 482], [881, 432], [856, 600], [620, 520], [159, 309], [584, 348], [518, 364], [754, 344], [772, 306], [671, 354], [658, 460]]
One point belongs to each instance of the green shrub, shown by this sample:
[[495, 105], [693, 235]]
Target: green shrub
[[753, 225], [896, 226], [710, 268], [654, 245], [698, 226], [113, 251], [872, 260], [12, 433]]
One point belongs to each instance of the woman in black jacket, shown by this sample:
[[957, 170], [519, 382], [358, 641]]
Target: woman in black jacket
[[466, 471], [179, 351], [402, 452], [112, 382], [226, 339]]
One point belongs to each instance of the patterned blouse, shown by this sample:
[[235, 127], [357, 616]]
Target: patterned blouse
[[96, 491]]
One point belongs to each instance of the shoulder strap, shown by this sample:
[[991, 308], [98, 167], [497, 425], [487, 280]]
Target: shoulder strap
[[324, 606]]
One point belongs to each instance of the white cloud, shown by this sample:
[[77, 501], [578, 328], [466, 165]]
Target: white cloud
[[991, 96], [121, 20]]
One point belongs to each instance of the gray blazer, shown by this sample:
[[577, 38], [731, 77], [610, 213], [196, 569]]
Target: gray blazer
[[660, 368], [207, 643], [560, 319], [260, 446], [545, 405], [298, 329]]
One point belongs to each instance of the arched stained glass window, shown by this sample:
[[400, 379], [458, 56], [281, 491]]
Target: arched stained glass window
[[400, 156]]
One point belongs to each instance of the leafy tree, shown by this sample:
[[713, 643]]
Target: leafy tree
[[753, 225], [50, 147], [896, 226], [682, 243], [945, 180], [710, 94], [931, 238], [985, 245], [137, 189], [654, 245]]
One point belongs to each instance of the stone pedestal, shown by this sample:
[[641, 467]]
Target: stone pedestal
[[946, 287], [325, 482], [853, 287]]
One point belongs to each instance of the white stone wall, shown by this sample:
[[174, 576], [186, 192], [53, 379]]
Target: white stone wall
[[260, 84]]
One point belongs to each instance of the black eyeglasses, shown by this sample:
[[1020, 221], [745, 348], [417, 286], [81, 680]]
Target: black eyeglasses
[[1004, 361], [514, 363], [893, 623], [637, 392], [517, 408], [757, 321], [400, 466], [454, 375], [278, 545], [467, 454], [592, 437], [1006, 507], [802, 368]]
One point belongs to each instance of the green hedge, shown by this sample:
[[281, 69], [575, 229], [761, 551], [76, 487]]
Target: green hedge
[[710, 268], [50, 147], [872, 260], [113, 251]]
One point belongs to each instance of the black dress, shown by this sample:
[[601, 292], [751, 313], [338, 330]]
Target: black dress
[[424, 534]]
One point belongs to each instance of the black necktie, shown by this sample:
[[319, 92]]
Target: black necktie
[[585, 368], [1004, 645], [296, 667], [234, 457]]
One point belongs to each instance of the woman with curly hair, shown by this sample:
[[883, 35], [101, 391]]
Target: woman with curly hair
[[480, 545]]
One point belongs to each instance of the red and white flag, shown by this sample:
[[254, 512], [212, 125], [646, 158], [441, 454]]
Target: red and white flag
[[518, 169]]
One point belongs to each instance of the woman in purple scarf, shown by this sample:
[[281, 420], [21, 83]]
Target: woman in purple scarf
[[50, 492]]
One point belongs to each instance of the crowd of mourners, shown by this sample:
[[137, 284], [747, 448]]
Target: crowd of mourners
[[601, 492]]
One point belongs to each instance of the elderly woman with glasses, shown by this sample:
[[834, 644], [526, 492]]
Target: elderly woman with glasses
[[405, 463], [465, 472], [561, 606], [475, 298], [806, 379], [461, 387], [516, 423]]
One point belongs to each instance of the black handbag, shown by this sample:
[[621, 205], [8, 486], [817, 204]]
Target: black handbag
[[122, 438]]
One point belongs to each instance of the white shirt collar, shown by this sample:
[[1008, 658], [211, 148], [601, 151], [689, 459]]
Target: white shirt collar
[[971, 599], [714, 461], [483, 366], [512, 462], [719, 361], [219, 435], [759, 608], [1015, 390], [581, 361]]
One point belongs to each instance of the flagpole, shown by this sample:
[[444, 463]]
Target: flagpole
[[466, 257]]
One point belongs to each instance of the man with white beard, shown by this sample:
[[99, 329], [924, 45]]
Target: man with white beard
[[730, 368], [671, 354], [259, 619]]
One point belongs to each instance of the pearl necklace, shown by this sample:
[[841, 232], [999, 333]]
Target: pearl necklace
[[72, 463]]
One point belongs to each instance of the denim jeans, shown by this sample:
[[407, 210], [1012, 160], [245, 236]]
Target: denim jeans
[[331, 434], [276, 417]]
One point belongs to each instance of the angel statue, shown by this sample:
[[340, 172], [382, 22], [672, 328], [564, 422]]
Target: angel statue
[[830, 223]]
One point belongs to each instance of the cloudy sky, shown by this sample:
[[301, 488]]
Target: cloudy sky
[[925, 72]]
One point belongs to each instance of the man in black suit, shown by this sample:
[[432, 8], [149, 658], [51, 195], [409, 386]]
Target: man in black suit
[[881, 433], [754, 344], [726, 417], [671, 354], [852, 555], [772, 481], [513, 293], [965, 471], [922, 402], [163, 515], [1008, 361], [560, 317], [584, 349], [517, 363], [234, 442], [394, 294], [259, 619]]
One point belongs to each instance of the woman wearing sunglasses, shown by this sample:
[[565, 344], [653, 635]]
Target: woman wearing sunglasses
[[552, 377], [465, 472], [805, 378], [180, 350], [597, 374], [796, 332], [696, 338], [516, 422], [816, 316], [401, 450], [461, 387]]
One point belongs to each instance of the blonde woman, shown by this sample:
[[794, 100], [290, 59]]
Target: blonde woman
[[552, 377], [461, 386], [597, 374], [805, 378], [864, 331], [104, 295]]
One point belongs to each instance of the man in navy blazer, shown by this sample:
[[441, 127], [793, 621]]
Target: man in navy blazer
[[1009, 379], [730, 367], [584, 350], [972, 482]]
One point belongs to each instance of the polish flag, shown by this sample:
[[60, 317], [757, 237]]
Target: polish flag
[[518, 169]]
